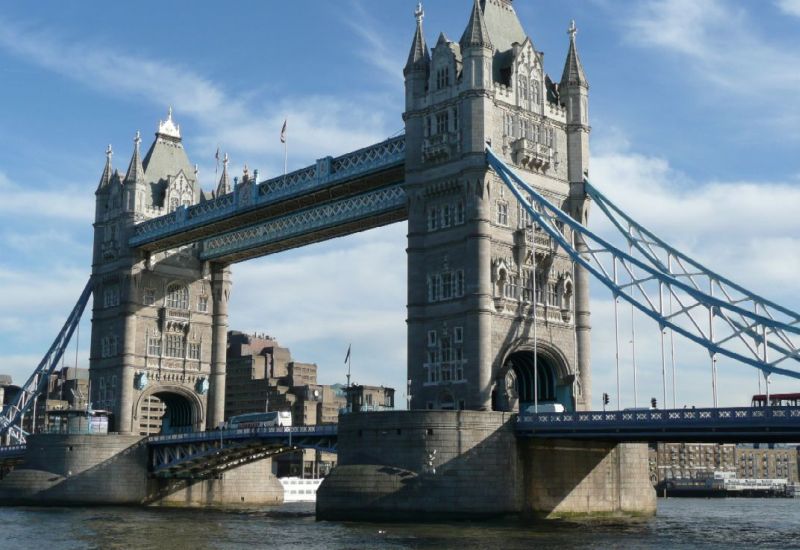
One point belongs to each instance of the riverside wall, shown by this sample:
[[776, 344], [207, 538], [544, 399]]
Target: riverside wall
[[468, 464], [112, 470]]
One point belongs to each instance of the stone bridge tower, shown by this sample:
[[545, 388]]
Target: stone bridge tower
[[498, 317], [159, 323]]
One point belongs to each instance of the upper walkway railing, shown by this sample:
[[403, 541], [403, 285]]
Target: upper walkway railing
[[327, 172], [244, 433], [732, 425]]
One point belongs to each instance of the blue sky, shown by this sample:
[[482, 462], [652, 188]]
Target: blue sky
[[696, 125]]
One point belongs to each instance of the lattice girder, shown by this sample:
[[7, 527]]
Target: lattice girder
[[719, 323]]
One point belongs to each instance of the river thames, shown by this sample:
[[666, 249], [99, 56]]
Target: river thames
[[681, 523]]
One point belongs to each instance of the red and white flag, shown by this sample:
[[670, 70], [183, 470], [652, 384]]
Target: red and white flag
[[283, 131]]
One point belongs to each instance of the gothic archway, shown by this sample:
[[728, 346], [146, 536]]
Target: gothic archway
[[168, 410], [522, 377]]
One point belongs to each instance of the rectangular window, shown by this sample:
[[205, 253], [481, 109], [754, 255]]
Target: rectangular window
[[194, 350], [154, 346], [524, 217], [447, 216], [446, 373], [446, 291], [434, 288], [511, 287], [459, 291], [432, 339], [458, 335], [433, 219], [428, 126], [459, 213], [552, 295], [527, 286], [442, 123], [455, 119], [175, 345], [149, 297], [111, 296], [202, 304], [502, 213]]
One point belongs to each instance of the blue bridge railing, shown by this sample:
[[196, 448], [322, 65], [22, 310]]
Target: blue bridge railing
[[739, 424], [325, 173], [243, 433]]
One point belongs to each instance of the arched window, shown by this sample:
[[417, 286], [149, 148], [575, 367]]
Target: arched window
[[178, 296]]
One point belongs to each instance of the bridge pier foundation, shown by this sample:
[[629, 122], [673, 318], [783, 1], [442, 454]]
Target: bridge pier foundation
[[433, 465], [113, 469]]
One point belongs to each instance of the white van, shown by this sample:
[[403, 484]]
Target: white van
[[545, 408]]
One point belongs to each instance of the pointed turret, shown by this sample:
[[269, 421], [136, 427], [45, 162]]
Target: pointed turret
[[105, 179], [476, 34], [224, 186], [135, 172], [573, 69], [418, 58]]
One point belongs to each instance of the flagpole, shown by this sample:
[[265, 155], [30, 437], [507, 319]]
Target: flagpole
[[285, 148]]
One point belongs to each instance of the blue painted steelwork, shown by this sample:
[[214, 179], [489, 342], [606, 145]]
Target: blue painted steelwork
[[325, 173], [317, 218], [204, 454], [691, 299], [11, 418], [730, 425]]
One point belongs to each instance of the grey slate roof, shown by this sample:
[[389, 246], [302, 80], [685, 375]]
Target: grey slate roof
[[573, 69], [135, 171], [502, 24], [418, 57], [476, 33], [166, 157], [105, 178]]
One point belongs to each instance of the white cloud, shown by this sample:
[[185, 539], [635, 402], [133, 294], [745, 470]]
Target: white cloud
[[791, 7], [387, 59], [720, 46], [319, 299], [73, 204], [318, 125], [746, 231]]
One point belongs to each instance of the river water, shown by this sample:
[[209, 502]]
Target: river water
[[681, 523]]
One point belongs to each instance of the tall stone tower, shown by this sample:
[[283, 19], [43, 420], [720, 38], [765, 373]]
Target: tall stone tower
[[498, 316], [158, 321]]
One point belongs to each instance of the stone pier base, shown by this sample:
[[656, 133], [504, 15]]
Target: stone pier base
[[112, 470], [568, 478], [434, 465]]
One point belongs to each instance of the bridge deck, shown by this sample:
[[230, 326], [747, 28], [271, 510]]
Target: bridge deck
[[330, 180], [726, 425]]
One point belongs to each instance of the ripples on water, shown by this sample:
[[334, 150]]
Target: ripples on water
[[681, 523]]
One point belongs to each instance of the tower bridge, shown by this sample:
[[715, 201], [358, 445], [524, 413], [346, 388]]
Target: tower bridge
[[491, 179]]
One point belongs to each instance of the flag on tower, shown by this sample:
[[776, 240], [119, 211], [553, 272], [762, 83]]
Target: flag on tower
[[283, 131], [347, 357]]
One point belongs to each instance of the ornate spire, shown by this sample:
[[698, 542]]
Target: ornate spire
[[418, 57], [573, 69], [476, 34], [168, 128], [135, 172], [245, 174], [224, 186], [105, 179]]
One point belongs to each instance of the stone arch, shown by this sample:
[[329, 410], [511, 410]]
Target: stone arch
[[515, 379], [183, 409]]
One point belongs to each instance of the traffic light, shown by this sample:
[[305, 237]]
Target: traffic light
[[653, 403], [605, 399]]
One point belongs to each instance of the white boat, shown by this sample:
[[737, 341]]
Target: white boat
[[297, 489]]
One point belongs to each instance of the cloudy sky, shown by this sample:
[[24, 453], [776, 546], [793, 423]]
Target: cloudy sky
[[695, 108]]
